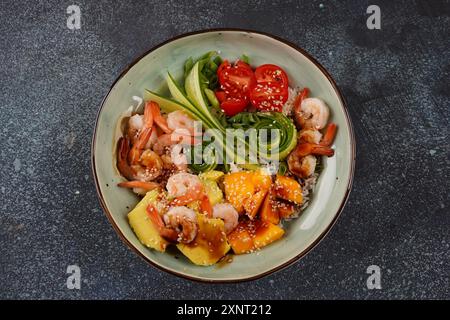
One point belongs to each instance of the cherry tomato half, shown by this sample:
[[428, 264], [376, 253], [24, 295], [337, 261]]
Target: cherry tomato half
[[233, 106], [268, 97], [271, 91], [221, 96], [271, 74], [237, 78]]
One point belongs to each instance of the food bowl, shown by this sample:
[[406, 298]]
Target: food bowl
[[148, 72]]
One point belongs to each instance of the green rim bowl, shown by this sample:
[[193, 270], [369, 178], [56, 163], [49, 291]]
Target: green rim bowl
[[148, 71]]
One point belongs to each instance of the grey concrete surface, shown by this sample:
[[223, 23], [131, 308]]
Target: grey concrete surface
[[396, 82]]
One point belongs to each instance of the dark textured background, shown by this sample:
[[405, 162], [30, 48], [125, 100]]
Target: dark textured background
[[396, 82]]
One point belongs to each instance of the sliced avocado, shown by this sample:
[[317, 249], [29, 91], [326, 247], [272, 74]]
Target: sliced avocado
[[195, 94], [166, 104], [178, 94], [212, 98]]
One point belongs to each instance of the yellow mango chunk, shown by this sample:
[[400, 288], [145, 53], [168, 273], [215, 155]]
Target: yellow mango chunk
[[210, 244], [241, 240], [143, 227], [240, 186], [212, 190], [252, 204], [288, 189], [211, 175], [269, 212], [251, 235], [267, 233]]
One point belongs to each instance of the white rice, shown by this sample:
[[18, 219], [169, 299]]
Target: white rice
[[289, 105], [308, 186]]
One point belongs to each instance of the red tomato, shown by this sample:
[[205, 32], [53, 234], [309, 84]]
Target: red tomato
[[268, 97], [271, 74], [237, 78], [221, 96], [233, 106], [271, 91]]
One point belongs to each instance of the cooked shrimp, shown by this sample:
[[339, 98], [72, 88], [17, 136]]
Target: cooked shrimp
[[302, 161], [330, 133], [168, 162], [179, 224], [180, 137], [135, 125], [143, 137], [205, 205], [302, 167], [304, 149], [139, 184], [178, 158], [180, 183], [228, 214], [158, 222], [185, 187], [139, 187], [162, 143], [309, 135], [184, 221], [302, 95], [150, 166], [158, 118], [312, 113], [123, 148], [150, 159], [180, 120], [166, 140], [153, 138], [136, 150], [146, 169]]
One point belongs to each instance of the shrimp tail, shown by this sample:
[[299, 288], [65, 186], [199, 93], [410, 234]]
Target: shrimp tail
[[136, 151], [305, 149], [139, 184], [190, 196], [205, 206], [322, 150], [123, 147], [177, 137], [330, 133], [148, 115], [158, 118], [303, 94], [157, 221]]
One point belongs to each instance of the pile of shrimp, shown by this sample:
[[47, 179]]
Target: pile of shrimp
[[178, 223], [150, 156], [315, 136], [151, 149]]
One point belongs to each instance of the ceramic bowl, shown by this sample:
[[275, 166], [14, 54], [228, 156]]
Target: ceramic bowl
[[148, 71]]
